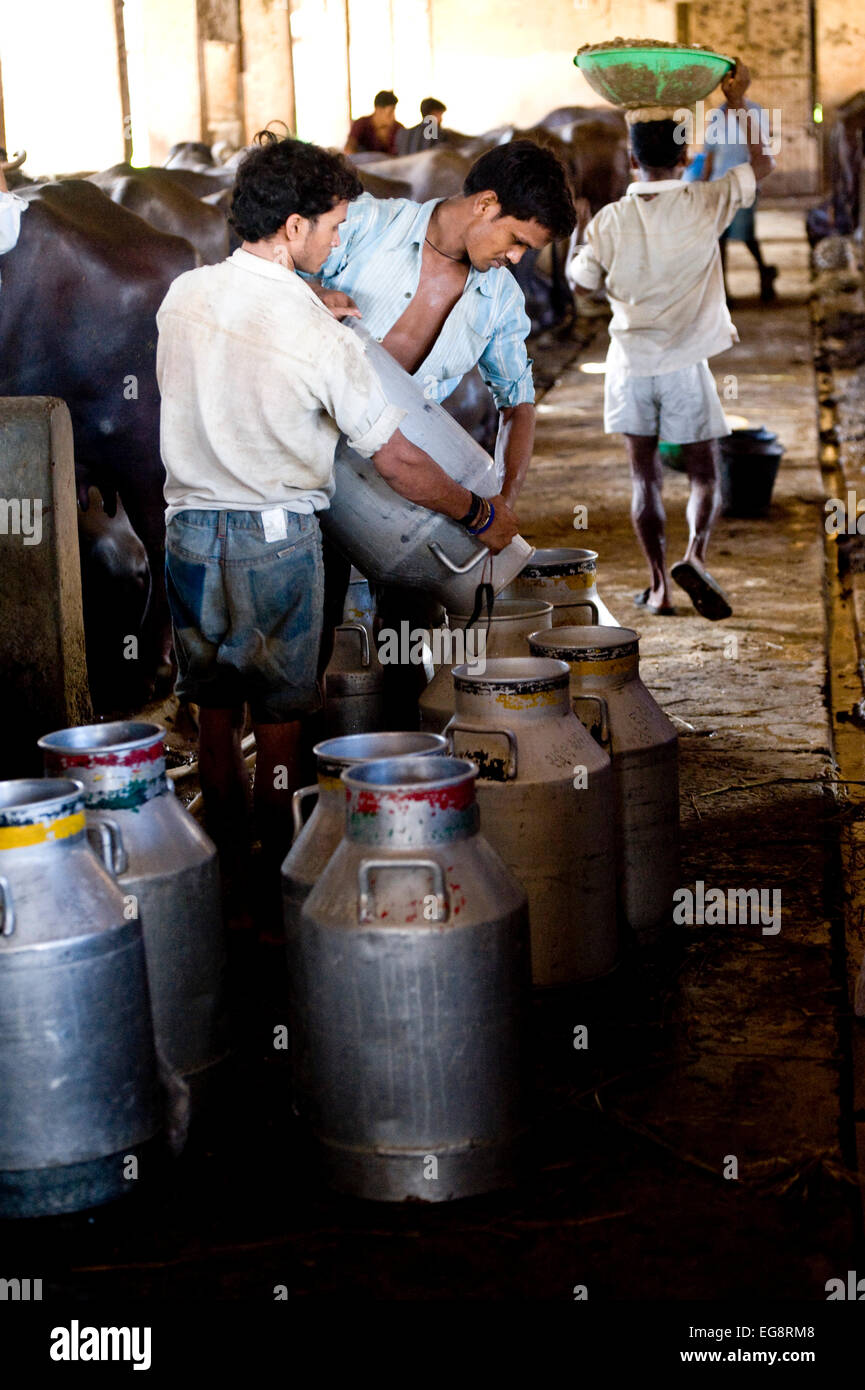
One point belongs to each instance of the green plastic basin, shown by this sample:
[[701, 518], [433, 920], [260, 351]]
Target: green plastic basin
[[653, 76]]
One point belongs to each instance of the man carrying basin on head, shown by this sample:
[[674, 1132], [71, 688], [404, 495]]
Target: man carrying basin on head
[[657, 251], [432, 284], [258, 380]]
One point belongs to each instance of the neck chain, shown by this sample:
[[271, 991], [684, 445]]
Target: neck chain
[[446, 254]]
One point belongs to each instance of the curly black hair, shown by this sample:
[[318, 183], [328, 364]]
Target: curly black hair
[[281, 176], [530, 182]]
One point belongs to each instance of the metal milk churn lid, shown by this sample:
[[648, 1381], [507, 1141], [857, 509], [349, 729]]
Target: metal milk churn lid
[[167, 868], [506, 633], [316, 841], [78, 1075], [409, 977], [396, 541], [567, 578], [545, 790], [614, 704]]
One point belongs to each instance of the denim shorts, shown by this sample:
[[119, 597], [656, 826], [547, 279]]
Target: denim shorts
[[246, 612]]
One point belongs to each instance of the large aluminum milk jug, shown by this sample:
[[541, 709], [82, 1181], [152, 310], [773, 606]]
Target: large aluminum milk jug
[[566, 578], [353, 683], [167, 866], [392, 540], [409, 980], [611, 700], [506, 633], [315, 842], [545, 792], [78, 1081]]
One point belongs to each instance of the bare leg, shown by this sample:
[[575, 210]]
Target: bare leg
[[690, 573], [703, 501], [224, 783], [277, 777], [753, 246], [647, 512]]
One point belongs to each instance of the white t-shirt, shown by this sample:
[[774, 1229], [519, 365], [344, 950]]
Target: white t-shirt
[[11, 208], [258, 380], [658, 247]]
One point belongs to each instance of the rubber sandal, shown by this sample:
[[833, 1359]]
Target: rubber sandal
[[704, 592], [666, 610]]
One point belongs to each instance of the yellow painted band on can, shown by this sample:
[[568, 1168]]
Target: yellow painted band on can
[[613, 666], [20, 836], [512, 699], [331, 784], [576, 581]]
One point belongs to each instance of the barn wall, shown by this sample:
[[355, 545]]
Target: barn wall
[[779, 56], [61, 85], [390, 47], [501, 61], [168, 98], [840, 51]]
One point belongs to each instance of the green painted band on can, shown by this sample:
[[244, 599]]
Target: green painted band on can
[[130, 797]]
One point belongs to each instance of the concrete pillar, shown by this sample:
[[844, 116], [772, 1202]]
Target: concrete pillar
[[166, 97], [268, 83], [44, 682]]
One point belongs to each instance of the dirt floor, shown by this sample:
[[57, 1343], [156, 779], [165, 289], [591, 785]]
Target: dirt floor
[[721, 1044]]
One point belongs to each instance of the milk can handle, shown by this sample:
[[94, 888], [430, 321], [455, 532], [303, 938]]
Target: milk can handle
[[605, 713], [297, 801], [7, 909], [364, 639], [109, 845], [455, 725], [587, 603], [449, 564], [365, 912]]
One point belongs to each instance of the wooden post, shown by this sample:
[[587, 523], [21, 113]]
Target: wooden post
[[2, 114], [292, 95], [123, 79], [44, 683]]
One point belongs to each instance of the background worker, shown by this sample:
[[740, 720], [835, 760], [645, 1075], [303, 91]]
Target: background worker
[[725, 148], [258, 379], [428, 133], [378, 132], [657, 251]]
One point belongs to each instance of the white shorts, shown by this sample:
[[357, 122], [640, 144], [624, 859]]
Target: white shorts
[[680, 407]]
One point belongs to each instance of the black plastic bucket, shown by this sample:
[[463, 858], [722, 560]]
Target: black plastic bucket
[[748, 465]]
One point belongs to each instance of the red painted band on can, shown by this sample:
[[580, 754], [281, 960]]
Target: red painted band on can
[[455, 798], [132, 758]]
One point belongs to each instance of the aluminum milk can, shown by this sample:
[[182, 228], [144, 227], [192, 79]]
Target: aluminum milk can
[[545, 792], [315, 842], [611, 700], [391, 539], [409, 979], [78, 1083], [164, 860], [505, 634], [353, 683], [567, 579]]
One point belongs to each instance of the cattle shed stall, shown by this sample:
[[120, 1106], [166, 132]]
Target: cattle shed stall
[[554, 989]]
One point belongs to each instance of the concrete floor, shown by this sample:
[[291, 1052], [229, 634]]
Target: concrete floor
[[721, 1043]]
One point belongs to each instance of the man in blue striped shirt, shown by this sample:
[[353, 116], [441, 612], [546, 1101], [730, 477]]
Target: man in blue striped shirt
[[432, 283]]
